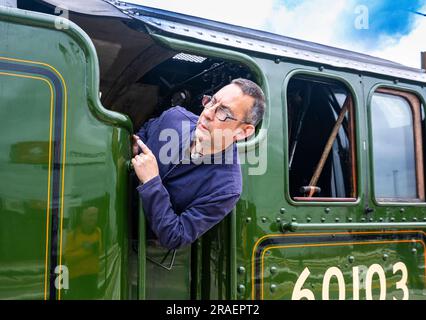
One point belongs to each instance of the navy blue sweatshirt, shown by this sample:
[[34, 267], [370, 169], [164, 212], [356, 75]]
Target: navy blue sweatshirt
[[189, 196]]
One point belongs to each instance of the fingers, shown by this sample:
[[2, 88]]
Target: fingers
[[143, 146], [138, 142], [140, 159]]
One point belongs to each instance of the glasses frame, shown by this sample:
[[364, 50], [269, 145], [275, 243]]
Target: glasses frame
[[207, 100]]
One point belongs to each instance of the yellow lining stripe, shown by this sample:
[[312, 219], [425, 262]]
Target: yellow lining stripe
[[63, 154], [49, 171]]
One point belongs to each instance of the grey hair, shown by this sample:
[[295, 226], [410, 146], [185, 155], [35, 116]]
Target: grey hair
[[251, 89]]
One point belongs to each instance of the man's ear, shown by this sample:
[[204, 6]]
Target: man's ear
[[244, 132]]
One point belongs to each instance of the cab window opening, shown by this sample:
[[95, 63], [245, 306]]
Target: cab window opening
[[173, 79], [321, 140], [180, 80]]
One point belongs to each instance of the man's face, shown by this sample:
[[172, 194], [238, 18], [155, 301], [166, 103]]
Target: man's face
[[216, 135]]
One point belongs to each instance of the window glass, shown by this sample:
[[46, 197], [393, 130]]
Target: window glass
[[393, 147], [320, 140]]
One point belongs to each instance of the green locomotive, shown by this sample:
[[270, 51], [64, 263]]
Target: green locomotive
[[333, 205]]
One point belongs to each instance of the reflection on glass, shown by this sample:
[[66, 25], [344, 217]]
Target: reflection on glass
[[393, 143], [82, 251]]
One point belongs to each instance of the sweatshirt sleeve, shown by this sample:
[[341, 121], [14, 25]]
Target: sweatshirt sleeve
[[173, 230]]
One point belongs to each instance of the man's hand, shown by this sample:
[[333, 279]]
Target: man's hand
[[145, 163]]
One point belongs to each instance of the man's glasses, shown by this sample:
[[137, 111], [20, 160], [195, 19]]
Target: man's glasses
[[221, 113]]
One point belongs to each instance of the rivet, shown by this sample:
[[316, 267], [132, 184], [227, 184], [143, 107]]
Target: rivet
[[308, 219], [350, 219], [424, 219], [282, 210], [327, 210], [241, 270], [414, 219], [321, 68], [263, 219], [241, 289], [396, 81], [248, 220], [363, 219], [277, 60], [381, 219], [278, 220], [414, 251], [337, 219], [273, 270], [392, 219], [402, 210], [293, 219], [371, 219], [351, 259], [385, 257], [322, 219], [273, 287], [404, 219]]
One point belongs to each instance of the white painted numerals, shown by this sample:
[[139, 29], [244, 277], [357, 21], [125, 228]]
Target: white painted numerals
[[401, 284], [373, 272], [298, 292]]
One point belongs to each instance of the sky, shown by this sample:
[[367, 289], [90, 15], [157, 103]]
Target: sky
[[384, 28]]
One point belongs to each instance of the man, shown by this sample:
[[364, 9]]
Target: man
[[184, 199]]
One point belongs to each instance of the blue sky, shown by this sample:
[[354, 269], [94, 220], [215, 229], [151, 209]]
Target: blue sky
[[386, 18], [383, 28]]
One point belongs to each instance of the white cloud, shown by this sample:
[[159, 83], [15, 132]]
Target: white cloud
[[315, 20]]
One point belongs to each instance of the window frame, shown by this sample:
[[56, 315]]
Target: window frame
[[353, 134], [415, 105]]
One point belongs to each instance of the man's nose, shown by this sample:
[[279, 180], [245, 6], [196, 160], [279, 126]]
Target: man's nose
[[209, 113]]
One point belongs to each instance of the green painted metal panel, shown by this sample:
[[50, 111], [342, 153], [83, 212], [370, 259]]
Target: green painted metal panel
[[358, 269], [63, 164], [23, 165]]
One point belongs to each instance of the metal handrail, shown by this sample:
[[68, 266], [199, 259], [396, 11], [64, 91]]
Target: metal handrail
[[294, 226]]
